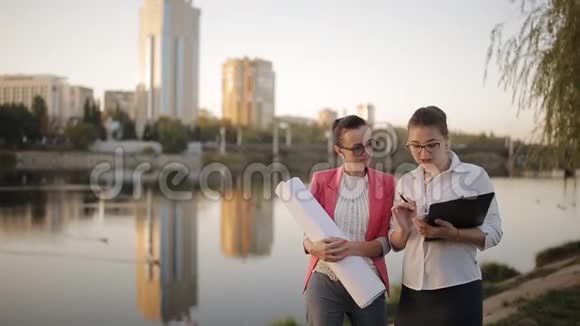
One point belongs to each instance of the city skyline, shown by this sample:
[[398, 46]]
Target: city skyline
[[327, 54]]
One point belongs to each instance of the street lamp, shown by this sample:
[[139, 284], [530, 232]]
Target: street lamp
[[329, 146], [275, 141], [286, 126], [222, 140], [239, 136]]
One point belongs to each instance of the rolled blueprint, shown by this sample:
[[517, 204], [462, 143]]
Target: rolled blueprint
[[361, 282]]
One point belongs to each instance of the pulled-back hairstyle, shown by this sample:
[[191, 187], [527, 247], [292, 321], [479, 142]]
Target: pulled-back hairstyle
[[430, 116], [349, 122]]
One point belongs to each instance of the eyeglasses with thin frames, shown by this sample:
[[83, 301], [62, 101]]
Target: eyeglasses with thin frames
[[430, 147], [359, 149]]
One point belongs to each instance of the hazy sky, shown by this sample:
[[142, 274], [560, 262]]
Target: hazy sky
[[399, 55]]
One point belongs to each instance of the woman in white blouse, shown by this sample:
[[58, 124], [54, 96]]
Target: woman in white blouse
[[441, 279]]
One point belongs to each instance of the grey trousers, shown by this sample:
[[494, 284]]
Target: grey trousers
[[327, 302]]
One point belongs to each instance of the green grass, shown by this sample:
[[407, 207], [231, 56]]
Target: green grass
[[497, 272], [538, 273], [289, 321], [491, 288], [393, 303], [573, 262], [554, 254], [392, 309], [556, 308], [494, 274]]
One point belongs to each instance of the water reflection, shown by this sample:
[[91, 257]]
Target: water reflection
[[166, 236], [201, 261], [165, 256], [23, 212], [247, 225]]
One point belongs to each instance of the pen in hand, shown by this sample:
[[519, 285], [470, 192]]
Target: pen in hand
[[403, 198]]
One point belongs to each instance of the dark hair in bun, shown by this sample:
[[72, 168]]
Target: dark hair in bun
[[349, 122]]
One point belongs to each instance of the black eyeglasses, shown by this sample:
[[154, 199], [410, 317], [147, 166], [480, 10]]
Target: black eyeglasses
[[429, 147], [359, 149]]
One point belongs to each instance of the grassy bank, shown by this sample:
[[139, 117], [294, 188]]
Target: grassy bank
[[554, 307], [550, 255], [498, 277], [493, 288], [548, 295], [560, 307]]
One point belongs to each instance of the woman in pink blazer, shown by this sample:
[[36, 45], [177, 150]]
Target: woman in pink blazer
[[359, 199]]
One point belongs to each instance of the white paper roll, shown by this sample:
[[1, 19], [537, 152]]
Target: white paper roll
[[361, 282]]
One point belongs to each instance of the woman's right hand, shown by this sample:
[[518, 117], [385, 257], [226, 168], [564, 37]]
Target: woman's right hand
[[328, 249], [404, 213]]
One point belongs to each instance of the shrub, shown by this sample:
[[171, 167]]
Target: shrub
[[149, 150], [7, 161], [81, 135], [550, 255], [496, 272], [173, 135]]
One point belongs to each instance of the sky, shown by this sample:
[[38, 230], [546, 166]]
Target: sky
[[398, 55]]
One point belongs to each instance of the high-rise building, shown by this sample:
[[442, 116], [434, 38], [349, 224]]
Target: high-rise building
[[122, 100], [367, 112], [168, 61], [63, 101], [248, 92], [326, 117]]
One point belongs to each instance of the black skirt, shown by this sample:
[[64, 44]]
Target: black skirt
[[459, 305]]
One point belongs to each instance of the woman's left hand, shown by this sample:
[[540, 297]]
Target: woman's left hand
[[346, 249], [444, 230]]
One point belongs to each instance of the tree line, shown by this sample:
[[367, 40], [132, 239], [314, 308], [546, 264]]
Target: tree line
[[21, 128]]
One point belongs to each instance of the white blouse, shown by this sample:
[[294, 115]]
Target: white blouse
[[431, 265], [351, 215]]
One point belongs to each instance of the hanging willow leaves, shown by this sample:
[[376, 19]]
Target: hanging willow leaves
[[540, 64]]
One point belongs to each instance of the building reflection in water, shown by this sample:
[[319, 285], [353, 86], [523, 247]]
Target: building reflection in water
[[247, 227], [167, 287], [166, 235], [30, 211]]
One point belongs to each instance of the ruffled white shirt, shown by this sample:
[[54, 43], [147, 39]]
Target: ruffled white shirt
[[351, 215]]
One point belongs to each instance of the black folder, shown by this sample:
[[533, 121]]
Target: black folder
[[464, 212]]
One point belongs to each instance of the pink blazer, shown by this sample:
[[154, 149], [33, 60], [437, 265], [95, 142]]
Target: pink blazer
[[324, 187]]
